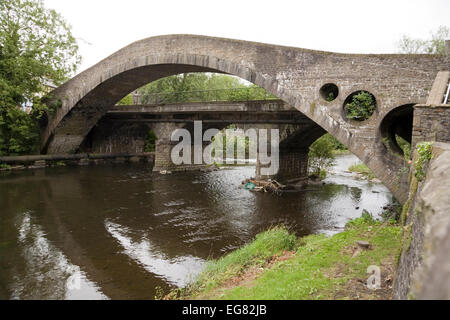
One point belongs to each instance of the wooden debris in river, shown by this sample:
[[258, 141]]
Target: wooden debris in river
[[263, 185]]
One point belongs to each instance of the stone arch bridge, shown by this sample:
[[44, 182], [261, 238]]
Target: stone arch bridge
[[124, 129], [302, 78]]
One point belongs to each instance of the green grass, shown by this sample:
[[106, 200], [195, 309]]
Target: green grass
[[362, 169], [319, 176], [255, 254], [319, 268], [5, 166], [338, 152]]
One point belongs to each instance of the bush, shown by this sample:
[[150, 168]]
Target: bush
[[320, 156], [405, 146], [361, 107], [19, 133], [424, 151]]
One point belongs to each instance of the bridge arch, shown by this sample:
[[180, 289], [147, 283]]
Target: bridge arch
[[81, 110], [294, 75], [397, 123]]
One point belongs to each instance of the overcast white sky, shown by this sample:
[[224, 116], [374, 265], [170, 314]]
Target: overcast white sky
[[351, 26]]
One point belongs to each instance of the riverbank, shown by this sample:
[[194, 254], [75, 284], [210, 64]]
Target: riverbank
[[41, 161], [362, 170], [277, 265]]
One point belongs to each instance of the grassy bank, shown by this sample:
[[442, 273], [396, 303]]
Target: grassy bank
[[277, 265], [362, 169], [341, 152]]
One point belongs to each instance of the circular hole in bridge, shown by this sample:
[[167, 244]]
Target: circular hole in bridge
[[329, 92], [360, 105]]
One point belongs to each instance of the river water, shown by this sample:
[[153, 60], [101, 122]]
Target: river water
[[121, 231]]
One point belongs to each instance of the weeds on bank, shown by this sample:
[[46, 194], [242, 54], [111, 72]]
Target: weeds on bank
[[362, 169], [316, 266]]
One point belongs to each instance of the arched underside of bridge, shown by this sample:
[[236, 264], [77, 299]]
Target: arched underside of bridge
[[294, 75]]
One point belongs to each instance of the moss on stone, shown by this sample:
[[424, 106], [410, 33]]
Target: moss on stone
[[405, 211], [312, 108]]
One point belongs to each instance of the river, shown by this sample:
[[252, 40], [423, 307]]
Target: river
[[123, 232]]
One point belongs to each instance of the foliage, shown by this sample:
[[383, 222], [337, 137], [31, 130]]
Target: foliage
[[321, 156], [361, 107], [434, 45], [367, 217], [5, 166], [392, 212], [320, 268], [265, 246], [337, 145], [424, 151], [321, 175], [18, 132], [362, 169], [405, 146], [192, 87], [126, 101], [150, 142], [36, 47], [330, 97]]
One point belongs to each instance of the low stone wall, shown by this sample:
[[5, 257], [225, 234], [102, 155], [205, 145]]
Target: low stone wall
[[43, 161], [431, 123], [424, 265]]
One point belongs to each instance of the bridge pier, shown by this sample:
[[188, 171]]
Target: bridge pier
[[164, 146], [163, 159], [292, 166], [292, 161]]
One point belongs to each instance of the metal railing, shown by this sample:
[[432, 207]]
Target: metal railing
[[234, 94], [446, 97]]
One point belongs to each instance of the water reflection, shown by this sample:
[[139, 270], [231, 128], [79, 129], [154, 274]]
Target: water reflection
[[45, 272], [121, 231], [177, 271]]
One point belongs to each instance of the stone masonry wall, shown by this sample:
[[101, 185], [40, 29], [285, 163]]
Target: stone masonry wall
[[117, 137], [424, 265], [293, 165], [431, 123]]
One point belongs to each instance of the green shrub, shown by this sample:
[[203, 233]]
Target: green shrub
[[5, 166], [361, 107], [405, 146], [321, 156], [330, 97], [424, 151]]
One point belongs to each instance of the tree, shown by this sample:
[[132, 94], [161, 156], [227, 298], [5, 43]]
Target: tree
[[320, 156], [126, 101], [36, 47], [434, 45], [190, 87]]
